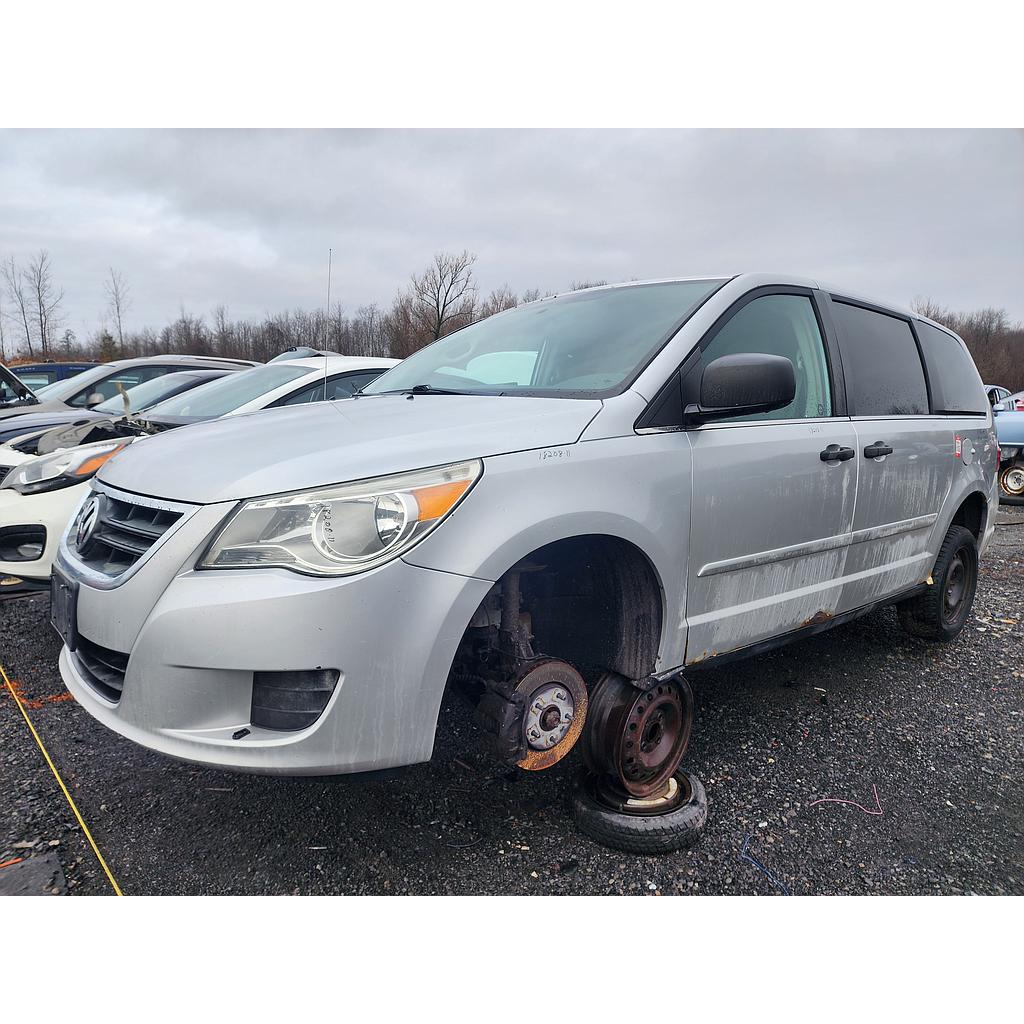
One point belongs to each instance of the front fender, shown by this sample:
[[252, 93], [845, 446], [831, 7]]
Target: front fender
[[635, 488]]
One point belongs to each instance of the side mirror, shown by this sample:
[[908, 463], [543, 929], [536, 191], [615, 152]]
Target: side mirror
[[94, 399], [743, 384]]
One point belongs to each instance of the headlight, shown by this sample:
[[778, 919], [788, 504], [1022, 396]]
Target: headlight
[[61, 469], [337, 531], [1008, 453]]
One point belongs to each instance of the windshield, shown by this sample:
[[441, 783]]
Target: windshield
[[229, 393], [142, 396], [576, 344]]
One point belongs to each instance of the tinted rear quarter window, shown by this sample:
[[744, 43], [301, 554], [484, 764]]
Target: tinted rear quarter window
[[956, 386], [884, 376]]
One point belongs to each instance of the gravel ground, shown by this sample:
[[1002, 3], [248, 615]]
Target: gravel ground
[[936, 731]]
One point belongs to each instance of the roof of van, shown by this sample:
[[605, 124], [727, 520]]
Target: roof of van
[[758, 279]]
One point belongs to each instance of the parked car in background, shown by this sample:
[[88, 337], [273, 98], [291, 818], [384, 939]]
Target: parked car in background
[[39, 375], [138, 398], [1015, 403], [562, 508], [996, 393], [1009, 420], [39, 493], [105, 380], [281, 382], [15, 395]]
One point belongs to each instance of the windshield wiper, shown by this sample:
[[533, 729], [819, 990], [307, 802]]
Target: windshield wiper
[[421, 389]]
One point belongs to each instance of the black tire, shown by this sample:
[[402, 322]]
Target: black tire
[[1008, 497], [931, 615], [641, 833]]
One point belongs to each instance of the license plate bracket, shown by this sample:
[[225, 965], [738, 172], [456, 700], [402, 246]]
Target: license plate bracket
[[64, 608]]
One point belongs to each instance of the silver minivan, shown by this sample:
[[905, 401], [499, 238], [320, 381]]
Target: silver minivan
[[563, 510]]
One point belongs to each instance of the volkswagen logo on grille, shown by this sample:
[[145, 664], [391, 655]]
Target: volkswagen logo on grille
[[88, 521]]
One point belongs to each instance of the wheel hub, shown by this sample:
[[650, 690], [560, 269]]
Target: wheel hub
[[549, 717], [555, 699]]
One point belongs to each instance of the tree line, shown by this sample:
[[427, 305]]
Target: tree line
[[442, 298], [996, 345]]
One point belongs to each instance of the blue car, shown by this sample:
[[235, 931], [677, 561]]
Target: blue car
[[38, 375], [1010, 432]]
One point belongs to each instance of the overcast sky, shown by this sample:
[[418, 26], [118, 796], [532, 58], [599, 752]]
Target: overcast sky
[[245, 219]]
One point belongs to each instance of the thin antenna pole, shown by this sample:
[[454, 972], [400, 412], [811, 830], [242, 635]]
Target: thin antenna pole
[[327, 323]]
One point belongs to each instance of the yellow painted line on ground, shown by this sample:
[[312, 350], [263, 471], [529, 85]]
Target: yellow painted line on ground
[[60, 782]]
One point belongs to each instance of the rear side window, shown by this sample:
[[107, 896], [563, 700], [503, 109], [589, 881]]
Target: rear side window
[[883, 369], [111, 385], [956, 386]]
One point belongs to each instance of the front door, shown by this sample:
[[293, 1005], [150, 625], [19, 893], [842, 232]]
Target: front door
[[773, 494]]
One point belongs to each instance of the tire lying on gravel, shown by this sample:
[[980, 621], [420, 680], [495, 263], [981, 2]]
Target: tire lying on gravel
[[942, 610], [634, 831]]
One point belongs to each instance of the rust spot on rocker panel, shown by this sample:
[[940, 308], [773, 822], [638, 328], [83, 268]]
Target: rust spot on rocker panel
[[818, 618]]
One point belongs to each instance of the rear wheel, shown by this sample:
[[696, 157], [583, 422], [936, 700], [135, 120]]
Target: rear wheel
[[942, 611], [1011, 483]]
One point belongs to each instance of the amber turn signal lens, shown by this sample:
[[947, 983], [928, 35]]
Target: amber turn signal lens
[[436, 500]]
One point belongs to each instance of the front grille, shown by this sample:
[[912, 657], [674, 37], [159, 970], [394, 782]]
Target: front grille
[[4, 470], [102, 668], [123, 532]]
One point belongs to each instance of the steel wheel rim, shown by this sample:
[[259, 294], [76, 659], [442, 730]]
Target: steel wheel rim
[[638, 737], [1013, 481], [956, 587]]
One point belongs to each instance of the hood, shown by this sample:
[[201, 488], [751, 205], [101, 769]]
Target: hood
[[14, 426], [9, 411], [333, 442]]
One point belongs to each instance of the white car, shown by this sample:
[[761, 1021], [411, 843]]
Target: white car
[[39, 494]]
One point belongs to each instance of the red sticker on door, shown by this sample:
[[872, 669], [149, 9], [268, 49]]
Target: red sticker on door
[[958, 446]]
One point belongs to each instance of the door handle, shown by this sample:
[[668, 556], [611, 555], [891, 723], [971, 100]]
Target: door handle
[[837, 453], [877, 450]]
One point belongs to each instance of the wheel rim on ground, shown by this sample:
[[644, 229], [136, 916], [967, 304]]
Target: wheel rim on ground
[[638, 737], [672, 795], [1012, 481]]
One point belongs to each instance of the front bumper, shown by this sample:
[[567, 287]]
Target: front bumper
[[187, 689], [194, 639]]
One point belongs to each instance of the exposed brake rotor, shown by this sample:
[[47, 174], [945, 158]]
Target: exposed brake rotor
[[555, 710], [638, 737]]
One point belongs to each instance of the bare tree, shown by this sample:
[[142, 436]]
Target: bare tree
[[996, 345], [118, 301], [3, 337], [444, 296], [15, 279], [500, 299], [46, 298]]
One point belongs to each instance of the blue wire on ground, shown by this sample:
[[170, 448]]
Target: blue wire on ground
[[777, 882]]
